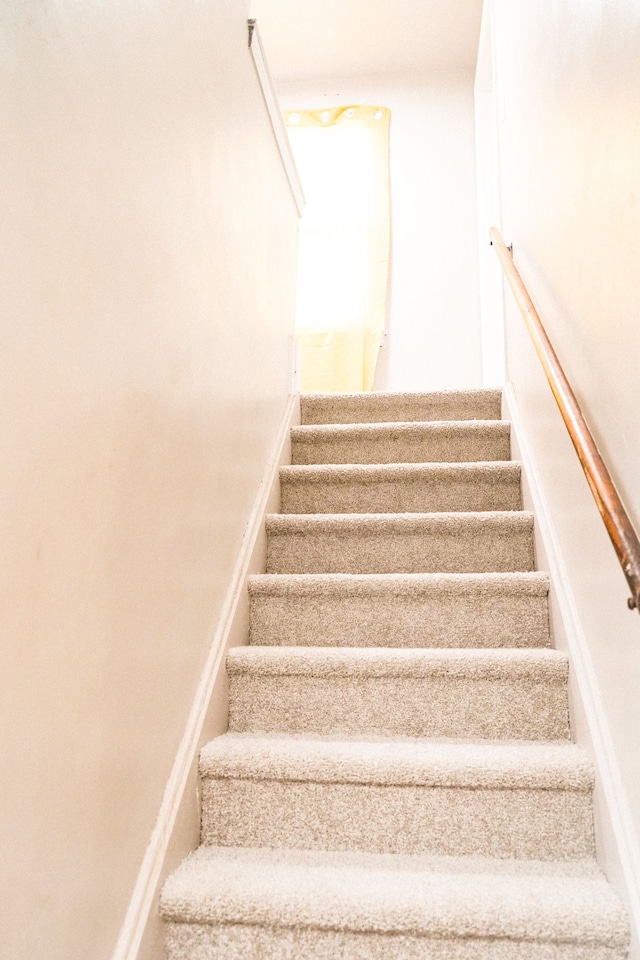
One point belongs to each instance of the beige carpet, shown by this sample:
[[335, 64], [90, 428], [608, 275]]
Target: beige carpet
[[398, 781]]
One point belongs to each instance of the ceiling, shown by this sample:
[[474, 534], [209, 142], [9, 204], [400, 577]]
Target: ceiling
[[347, 38]]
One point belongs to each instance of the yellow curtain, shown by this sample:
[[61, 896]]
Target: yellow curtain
[[342, 155]]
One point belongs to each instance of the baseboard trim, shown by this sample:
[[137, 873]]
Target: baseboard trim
[[618, 812], [151, 870]]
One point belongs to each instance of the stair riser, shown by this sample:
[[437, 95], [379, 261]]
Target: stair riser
[[414, 447], [410, 496], [241, 942], [448, 550], [421, 707], [375, 621], [378, 408], [455, 821]]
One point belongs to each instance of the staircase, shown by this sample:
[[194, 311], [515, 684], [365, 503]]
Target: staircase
[[398, 781]]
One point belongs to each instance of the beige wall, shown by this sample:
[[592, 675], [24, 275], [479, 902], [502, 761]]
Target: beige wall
[[569, 101], [433, 337], [148, 254]]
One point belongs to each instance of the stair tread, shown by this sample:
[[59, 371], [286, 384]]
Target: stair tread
[[407, 522], [398, 761], [437, 542], [386, 405], [378, 893], [540, 664], [363, 397], [398, 584], [496, 470], [496, 694], [308, 432], [400, 487], [400, 441], [412, 610]]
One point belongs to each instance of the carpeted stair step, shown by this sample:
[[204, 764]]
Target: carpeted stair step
[[404, 543], [401, 488], [400, 610], [450, 442], [495, 694], [398, 780], [395, 795], [380, 407], [287, 904]]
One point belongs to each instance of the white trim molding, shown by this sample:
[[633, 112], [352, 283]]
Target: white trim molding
[[617, 828], [229, 624], [275, 115]]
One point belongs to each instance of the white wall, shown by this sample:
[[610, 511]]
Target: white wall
[[433, 327], [489, 212], [148, 245], [569, 94]]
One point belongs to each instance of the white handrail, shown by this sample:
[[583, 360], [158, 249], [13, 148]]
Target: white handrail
[[275, 115]]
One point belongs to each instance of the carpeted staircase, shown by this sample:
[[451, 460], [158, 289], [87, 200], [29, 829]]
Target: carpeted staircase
[[398, 781]]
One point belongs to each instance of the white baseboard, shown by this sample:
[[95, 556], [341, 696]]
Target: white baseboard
[[616, 836], [230, 629]]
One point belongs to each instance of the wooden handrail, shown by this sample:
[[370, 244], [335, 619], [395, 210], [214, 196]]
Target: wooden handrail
[[616, 519]]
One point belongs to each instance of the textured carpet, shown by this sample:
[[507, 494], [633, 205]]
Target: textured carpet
[[398, 781], [512, 694], [456, 442], [408, 488], [400, 543], [385, 407], [400, 610], [360, 905]]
